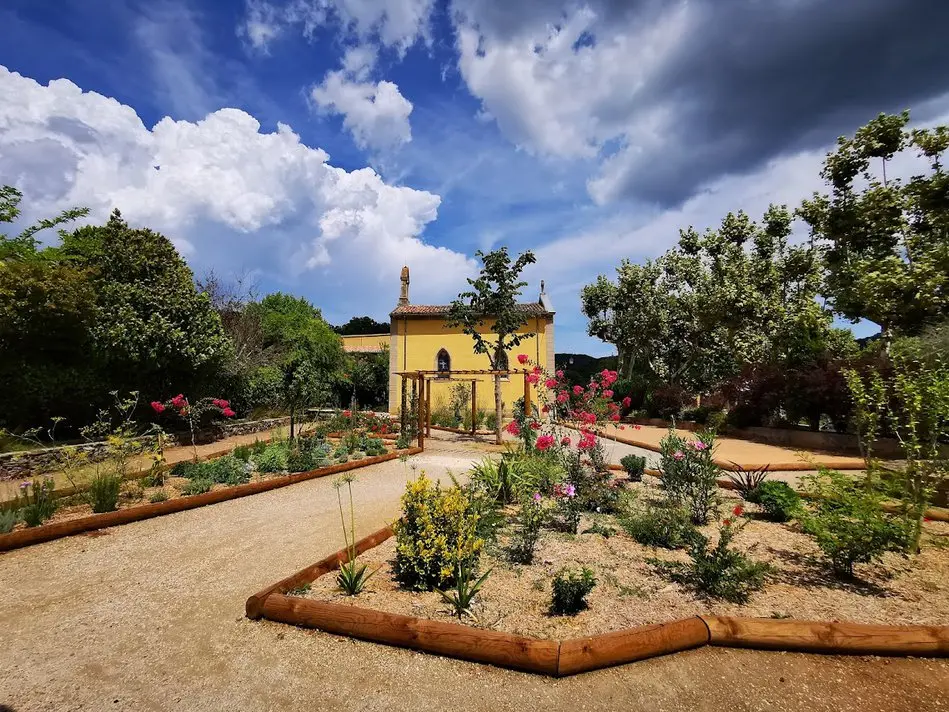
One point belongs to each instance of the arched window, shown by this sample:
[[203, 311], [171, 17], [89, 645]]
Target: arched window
[[443, 363]]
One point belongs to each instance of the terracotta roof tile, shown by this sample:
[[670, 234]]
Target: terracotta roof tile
[[529, 308]]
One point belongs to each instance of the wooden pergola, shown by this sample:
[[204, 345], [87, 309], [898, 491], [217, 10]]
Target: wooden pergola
[[422, 394]]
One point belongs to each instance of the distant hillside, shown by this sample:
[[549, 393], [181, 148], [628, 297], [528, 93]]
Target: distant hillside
[[578, 368]]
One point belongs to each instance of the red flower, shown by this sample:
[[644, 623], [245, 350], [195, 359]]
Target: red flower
[[622, 427], [607, 393], [545, 409], [513, 428], [532, 378], [559, 374], [522, 358], [562, 397], [347, 414], [627, 402], [615, 417], [738, 510], [158, 407], [577, 390], [727, 522], [545, 441], [565, 441], [550, 383], [179, 401], [228, 413], [535, 425]]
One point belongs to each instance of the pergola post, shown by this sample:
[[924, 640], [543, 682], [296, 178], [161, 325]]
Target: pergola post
[[418, 394], [403, 418], [527, 397], [428, 409], [474, 407]]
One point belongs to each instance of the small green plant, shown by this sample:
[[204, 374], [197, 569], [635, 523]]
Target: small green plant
[[301, 590], [8, 520], [719, 571], [273, 458], [659, 524], [243, 452], [570, 589], [352, 576], [848, 523], [197, 486], [35, 501], [778, 500], [528, 522], [600, 528], [635, 466], [403, 442], [103, 494], [747, 482], [228, 470], [465, 589], [185, 468], [159, 496]]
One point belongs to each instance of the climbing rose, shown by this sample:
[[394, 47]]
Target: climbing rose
[[157, 407], [545, 442], [538, 370], [551, 383], [615, 417], [565, 441], [678, 455], [532, 378], [562, 397], [522, 358], [607, 393], [535, 425], [559, 373], [738, 511], [627, 402], [513, 428], [578, 390], [228, 413], [178, 401]]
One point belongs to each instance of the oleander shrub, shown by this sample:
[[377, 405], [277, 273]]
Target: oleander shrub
[[103, 493], [570, 588], [635, 466], [689, 475], [778, 500], [659, 524], [528, 522], [436, 533]]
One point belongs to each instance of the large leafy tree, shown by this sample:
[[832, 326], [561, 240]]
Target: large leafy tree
[[493, 297], [886, 238], [362, 325], [309, 354]]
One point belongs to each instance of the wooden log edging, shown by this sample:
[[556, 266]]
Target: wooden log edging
[[577, 655], [48, 532], [461, 431]]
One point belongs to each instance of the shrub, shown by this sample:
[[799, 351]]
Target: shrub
[[197, 486], [300, 460], [779, 501], [719, 571], [403, 443], [568, 508], [570, 589], [490, 420], [227, 470], [515, 476], [8, 520], [437, 532], [634, 466], [689, 476], [848, 523], [527, 525], [664, 525], [103, 494], [243, 453], [747, 482], [185, 468], [159, 496], [35, 501], [272, 459], [666, 401]]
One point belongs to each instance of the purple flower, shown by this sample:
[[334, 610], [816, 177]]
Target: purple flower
[[570, 491], [24, 485], [537, 497], [698, 445], [678, 455]]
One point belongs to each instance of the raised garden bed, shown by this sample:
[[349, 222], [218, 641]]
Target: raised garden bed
[[634, 612], [76, 519]]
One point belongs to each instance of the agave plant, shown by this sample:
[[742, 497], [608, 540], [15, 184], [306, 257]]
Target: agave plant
[[466, 588], [352, 576]]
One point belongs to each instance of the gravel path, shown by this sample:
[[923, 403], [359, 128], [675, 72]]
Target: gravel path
[[149, 616]]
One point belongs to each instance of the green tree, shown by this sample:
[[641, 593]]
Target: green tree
[[309, 354], [362, 325], [493, 296], [886, 239], [24, 246]]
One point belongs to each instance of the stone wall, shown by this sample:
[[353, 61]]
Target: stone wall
[[18, 465]]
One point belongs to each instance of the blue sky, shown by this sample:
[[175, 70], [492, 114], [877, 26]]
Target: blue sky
[[318, 145]]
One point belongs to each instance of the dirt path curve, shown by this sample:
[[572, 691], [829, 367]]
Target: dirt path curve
[[149, 616]]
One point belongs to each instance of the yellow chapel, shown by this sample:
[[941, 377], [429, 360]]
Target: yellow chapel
[[420, 340]]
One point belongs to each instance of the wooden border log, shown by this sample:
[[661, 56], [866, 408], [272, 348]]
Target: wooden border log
[[625, 646], [57, 530], [838, 638], [449, 639], [314, 571]]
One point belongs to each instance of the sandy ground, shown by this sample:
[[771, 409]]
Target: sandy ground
[[149, 616]]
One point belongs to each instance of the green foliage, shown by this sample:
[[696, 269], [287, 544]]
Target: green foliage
[[528, 523], [272, 459], [103, 493], [243, 453], [352, 576], [158, 496], [689, 475], [570, 587], [659, 524], [779, 501], [747, 482], [35, 501], [719, 571], [465, 589], [227, 470], [308, 453], [847, 521], [437, 532], [8, 520], [197, 486], [362, 325], [635, 466]]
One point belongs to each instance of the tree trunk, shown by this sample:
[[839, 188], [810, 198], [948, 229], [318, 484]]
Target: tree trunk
[[497, 408], [292, 422]]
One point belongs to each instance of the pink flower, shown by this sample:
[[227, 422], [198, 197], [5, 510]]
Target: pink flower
[[607, 393], [532, 378], [158, 407], [565, 441], [627, 402], [545, 442], [551, 383], [577, 390], [559, 373], [562, 397], [538, 370], [545, 409], [537, 497], [615, 417], [589, 418], [698, 445], [678, 455], [513, 428], [535, 425], [522, 358], [637, 426], [179, 401], [622, 427], [228, 413], [347, 413], [587, 442]]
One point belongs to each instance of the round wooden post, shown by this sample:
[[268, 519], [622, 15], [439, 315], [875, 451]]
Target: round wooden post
[[428, 409], [527, 397], [403, 417], [474, 406], [418, 384]]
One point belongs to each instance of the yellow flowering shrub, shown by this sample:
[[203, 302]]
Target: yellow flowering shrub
[[438, 530]]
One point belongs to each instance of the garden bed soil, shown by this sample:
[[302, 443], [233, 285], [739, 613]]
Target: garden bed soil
[[515, 598]]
